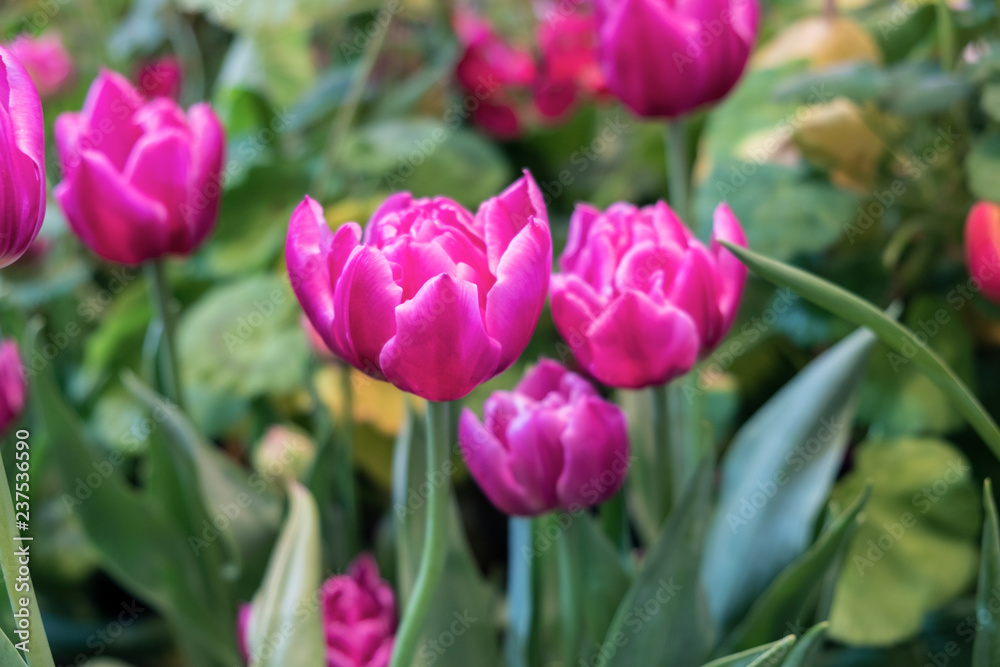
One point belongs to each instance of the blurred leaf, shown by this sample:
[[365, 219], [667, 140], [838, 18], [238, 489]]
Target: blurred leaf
[[821, 42], [428, 158], [803, 654], [990, 101], [777, 475], [462, 608], [983, 168], [769, 654], [244, 339], [276, 63], [854, 309], [285, 625], [986, 650], [921, 90], [9, 656], [664, 619], [916, 549], [782, 605], [257, 15]]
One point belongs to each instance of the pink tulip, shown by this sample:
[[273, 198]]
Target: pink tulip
[[551, 443], [46, 60], [22, 160], [142, 179], [161, 78], [982, 247], [667, 58], [639, 297], [432, 299], [13, 386], [569, 68], [359, 618], [494, 74]]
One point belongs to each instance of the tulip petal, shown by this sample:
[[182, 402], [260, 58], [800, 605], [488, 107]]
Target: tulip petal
[[731, 273], [110, 128], [116, 220], [637, 343], [488, 463], [160, 167], [365, 301], [596, 454], [982, 248], [516, 301], [575, 307], [535, 453], [694, 292], [208, 150], [316, 258], [441, 350], [544, 378], [580, 225], [504, 216]]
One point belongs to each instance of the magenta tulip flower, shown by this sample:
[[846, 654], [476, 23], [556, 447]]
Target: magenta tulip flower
[[982, 248], [141, 179], [430, 298], [639, 298], [667, 58], [569, 69], [13, 386], [46, 60], [359, 617], [22, 160], [551, 443]]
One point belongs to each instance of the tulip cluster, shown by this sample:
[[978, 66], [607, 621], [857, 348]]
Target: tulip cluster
[[22, 160], [431, 298], [551, 443], [639, 299], [141, 177], [982, 248], [512, 87], [359, 617]]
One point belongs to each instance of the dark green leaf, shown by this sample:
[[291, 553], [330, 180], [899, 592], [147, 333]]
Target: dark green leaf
[[986, 650]]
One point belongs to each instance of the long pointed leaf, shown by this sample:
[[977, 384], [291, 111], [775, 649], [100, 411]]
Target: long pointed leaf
[[803, 653], [986, 650], [842, 303], [753, 657]]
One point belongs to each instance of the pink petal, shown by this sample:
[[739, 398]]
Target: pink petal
[[208, 148], [731, 274], [503, 217], [544, 378], [160, 168], [365, 301], [488, 463], [575, 307], [596, 454], [694, 292], [535, 453], [441, 350]]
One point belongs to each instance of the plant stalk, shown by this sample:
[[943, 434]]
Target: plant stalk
[[169, 370]]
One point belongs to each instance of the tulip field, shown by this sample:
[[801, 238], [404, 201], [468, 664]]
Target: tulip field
[[506, 333]]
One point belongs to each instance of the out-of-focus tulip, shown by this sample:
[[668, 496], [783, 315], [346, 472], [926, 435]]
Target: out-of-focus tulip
[[431, 299], [667, 58], [13, 386], [359, 617], [142, 178], [551, 443], [982, 247], [639, 297], [161, 78], [46, 60], [492, 71], [284, 453], [22, 160], [569, 67]]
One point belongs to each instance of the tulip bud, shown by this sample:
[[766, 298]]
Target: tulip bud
[[22, 160], [639, 298], [665, 58], [284, 453], [161, 78], [141, 179], [13, 386], [982, 248], [431, 298], [551, 443], [358, 610], [46, 60]]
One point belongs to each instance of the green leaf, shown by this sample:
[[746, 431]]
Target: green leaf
[[769, 654], [276, 63], [463, 608], [903, 341], [983, 168], [986, 650], [781, 606], [777, 475], [9, 656], [916, 549], [664, 620], [285, 626], [803, 653]]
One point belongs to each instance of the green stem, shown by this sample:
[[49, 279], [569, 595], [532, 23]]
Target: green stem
[[169, 370], [662, 438], [345, 116], [520, 599], [435, 538], [569, 596], [946, 35], [40, 654], [684, 416], [677, 168], [614, 523]]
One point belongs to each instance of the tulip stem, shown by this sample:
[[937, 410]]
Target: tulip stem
[[520, 598], [169, 370], [435, 536], [677, 168], [946, 35], [40, 654], [569, 594]]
